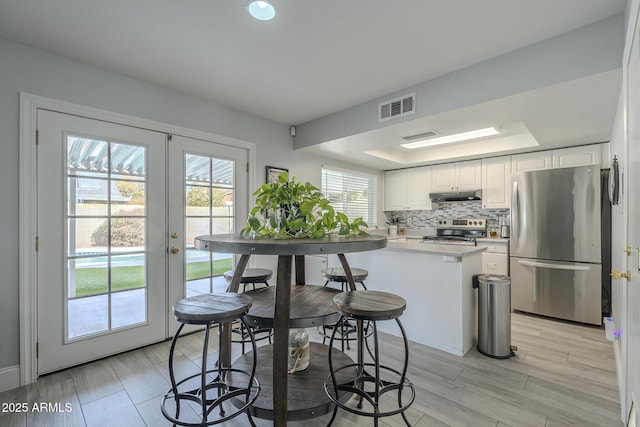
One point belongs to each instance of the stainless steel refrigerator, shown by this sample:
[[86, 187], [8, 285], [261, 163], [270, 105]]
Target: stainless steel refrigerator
[[555, 246]]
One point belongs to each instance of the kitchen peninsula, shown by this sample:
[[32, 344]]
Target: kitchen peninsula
[[435, 280]]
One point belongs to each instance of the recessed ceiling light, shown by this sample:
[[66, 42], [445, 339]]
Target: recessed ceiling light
[[456, 137], [262, 10]]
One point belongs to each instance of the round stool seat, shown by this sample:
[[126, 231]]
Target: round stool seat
[[250, 275], [370, 305], [337, 274], [207, 308]]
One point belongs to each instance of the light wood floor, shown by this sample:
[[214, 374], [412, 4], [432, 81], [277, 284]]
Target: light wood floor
[[563, 375]]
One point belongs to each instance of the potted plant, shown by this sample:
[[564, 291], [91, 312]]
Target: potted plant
[[289, 209]]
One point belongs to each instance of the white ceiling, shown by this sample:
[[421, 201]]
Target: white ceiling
[[573, 113], [315, 58]]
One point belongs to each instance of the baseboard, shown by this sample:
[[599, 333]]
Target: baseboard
[[621, 384], [9, 378]]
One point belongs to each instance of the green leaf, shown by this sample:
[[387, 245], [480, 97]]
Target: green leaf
[[255, 223], [283, 177], [306, 207]]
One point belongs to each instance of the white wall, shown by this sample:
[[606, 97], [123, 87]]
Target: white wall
[[589, 50], [23, 69]]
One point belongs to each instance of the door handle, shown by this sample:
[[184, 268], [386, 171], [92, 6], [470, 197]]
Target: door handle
[[175, 250], [555, 266], [615, 274], [515, 206]]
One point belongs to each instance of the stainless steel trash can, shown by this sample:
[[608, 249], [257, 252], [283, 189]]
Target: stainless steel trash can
[[494, 315]]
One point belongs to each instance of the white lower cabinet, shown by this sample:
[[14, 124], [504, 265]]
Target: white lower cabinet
[[495, 260], [495, 263]]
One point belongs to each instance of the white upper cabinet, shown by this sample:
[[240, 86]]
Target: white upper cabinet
[[460, 176], [395, 190], [418, 188], [577, 156], [496, 182], [531, 162], [443, 178], [407, 189], [469, 175]]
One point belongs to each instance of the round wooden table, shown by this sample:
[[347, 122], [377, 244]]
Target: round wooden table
[[286, 250]]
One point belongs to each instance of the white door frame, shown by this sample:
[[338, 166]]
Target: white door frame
[[29, 104]]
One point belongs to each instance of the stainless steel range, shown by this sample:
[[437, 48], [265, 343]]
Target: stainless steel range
[[458, 231]]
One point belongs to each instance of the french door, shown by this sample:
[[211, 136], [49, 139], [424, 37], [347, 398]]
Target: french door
[[207, 195], [118, 208]]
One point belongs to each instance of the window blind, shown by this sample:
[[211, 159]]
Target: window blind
[[353, 194]]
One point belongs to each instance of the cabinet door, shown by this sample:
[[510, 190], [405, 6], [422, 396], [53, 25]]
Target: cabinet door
[[443, 178], [395, 185], [531, 162], [418, 188], [576, 156], [493, 263], [496, 183], [468, 175]]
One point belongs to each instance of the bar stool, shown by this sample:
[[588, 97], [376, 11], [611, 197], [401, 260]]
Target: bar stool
[[209, 310], [338, 275], [251, 276], [373, 306]]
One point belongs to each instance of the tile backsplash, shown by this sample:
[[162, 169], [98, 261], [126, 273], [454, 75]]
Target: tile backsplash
[[427, 219]]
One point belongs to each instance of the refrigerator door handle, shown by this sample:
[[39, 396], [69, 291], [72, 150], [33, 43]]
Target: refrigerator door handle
[[515, 207], [535, 286], [555, 266]]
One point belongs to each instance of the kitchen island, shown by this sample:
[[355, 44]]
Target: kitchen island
[[435, 280]]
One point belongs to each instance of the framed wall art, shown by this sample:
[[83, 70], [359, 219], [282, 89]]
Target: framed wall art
[[273, 172]]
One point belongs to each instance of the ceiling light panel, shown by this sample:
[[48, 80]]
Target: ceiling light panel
[[456, 137]]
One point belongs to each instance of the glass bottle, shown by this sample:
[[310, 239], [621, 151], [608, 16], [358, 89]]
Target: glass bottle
[[298, 350]]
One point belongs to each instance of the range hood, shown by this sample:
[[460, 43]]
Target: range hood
[[456, 196]]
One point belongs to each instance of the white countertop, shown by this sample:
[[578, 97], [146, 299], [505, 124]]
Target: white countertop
[[493, 240], [416, 245]]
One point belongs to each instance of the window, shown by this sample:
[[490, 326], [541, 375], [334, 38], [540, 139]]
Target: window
[[351, 193]]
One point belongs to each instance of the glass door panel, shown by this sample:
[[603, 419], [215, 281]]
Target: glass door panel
[[209, 189], [106, 234], [101, 272]]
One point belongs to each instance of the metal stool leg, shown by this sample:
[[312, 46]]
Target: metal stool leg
[[333, 377], [254, 366], [404, 371], [172, 376]]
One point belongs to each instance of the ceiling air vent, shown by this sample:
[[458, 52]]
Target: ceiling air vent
[[397, 107], [420, 136]]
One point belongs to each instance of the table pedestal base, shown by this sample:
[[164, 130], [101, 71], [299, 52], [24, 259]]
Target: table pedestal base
[[307, 398]]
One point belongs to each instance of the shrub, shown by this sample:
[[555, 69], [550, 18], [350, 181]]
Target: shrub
[[125, 232]]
